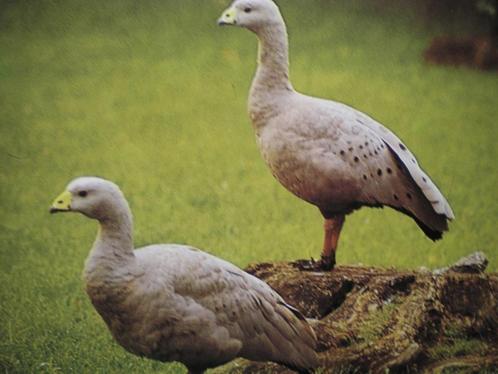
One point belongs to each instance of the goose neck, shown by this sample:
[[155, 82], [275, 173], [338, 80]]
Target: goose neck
[[116, 233], [113, 249], [273, 58]]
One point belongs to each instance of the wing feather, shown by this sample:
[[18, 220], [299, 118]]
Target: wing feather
[[250, 311], [422, 180]]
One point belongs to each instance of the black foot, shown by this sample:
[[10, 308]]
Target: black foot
[[327, 263], [307, 265]]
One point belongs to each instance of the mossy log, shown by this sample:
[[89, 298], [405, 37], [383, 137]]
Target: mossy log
[[378, 320]]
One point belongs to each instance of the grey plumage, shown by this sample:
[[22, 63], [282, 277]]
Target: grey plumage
[[177, 303], [339, 159], [325, 152]]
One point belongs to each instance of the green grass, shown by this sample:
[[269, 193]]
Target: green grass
[[152, 95], [455, 342], [457, 348]]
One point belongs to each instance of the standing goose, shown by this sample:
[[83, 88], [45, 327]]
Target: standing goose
[[325, 152], [176, 303]]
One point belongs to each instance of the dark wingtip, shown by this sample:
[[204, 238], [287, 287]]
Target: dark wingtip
[[432, 234]]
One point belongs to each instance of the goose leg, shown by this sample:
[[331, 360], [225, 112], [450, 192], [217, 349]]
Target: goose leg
[[332, 228]]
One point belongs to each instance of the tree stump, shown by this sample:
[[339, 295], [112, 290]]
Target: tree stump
[[376, 320]]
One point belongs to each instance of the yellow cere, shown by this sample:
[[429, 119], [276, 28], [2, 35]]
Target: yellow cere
[[63, 201], [228, 16]]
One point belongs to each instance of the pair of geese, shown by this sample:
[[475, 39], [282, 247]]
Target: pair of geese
[[176, 303]]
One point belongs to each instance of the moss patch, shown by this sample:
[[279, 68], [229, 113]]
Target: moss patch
[[377, 322]]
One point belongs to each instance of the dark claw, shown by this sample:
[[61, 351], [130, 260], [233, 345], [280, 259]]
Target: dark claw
[[307, 265], [327, 263]]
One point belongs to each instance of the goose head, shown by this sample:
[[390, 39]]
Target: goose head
[[94, 197], [251, 14]]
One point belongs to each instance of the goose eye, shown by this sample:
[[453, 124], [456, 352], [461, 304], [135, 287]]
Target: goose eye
[[82, 193], [247, 10]]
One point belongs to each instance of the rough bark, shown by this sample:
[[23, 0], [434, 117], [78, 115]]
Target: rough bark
[[377, 320]]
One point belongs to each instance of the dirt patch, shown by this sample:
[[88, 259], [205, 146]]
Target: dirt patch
[[479, 52]]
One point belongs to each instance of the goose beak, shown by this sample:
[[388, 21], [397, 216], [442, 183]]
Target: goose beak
[[62, 203], [229, 17]]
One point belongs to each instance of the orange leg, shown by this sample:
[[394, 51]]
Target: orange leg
[[332, 228]]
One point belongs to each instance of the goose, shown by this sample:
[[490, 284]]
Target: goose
[[325, 152], [171, 302]]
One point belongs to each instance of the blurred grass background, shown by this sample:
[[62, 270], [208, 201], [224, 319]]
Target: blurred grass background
[[152, 95]]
